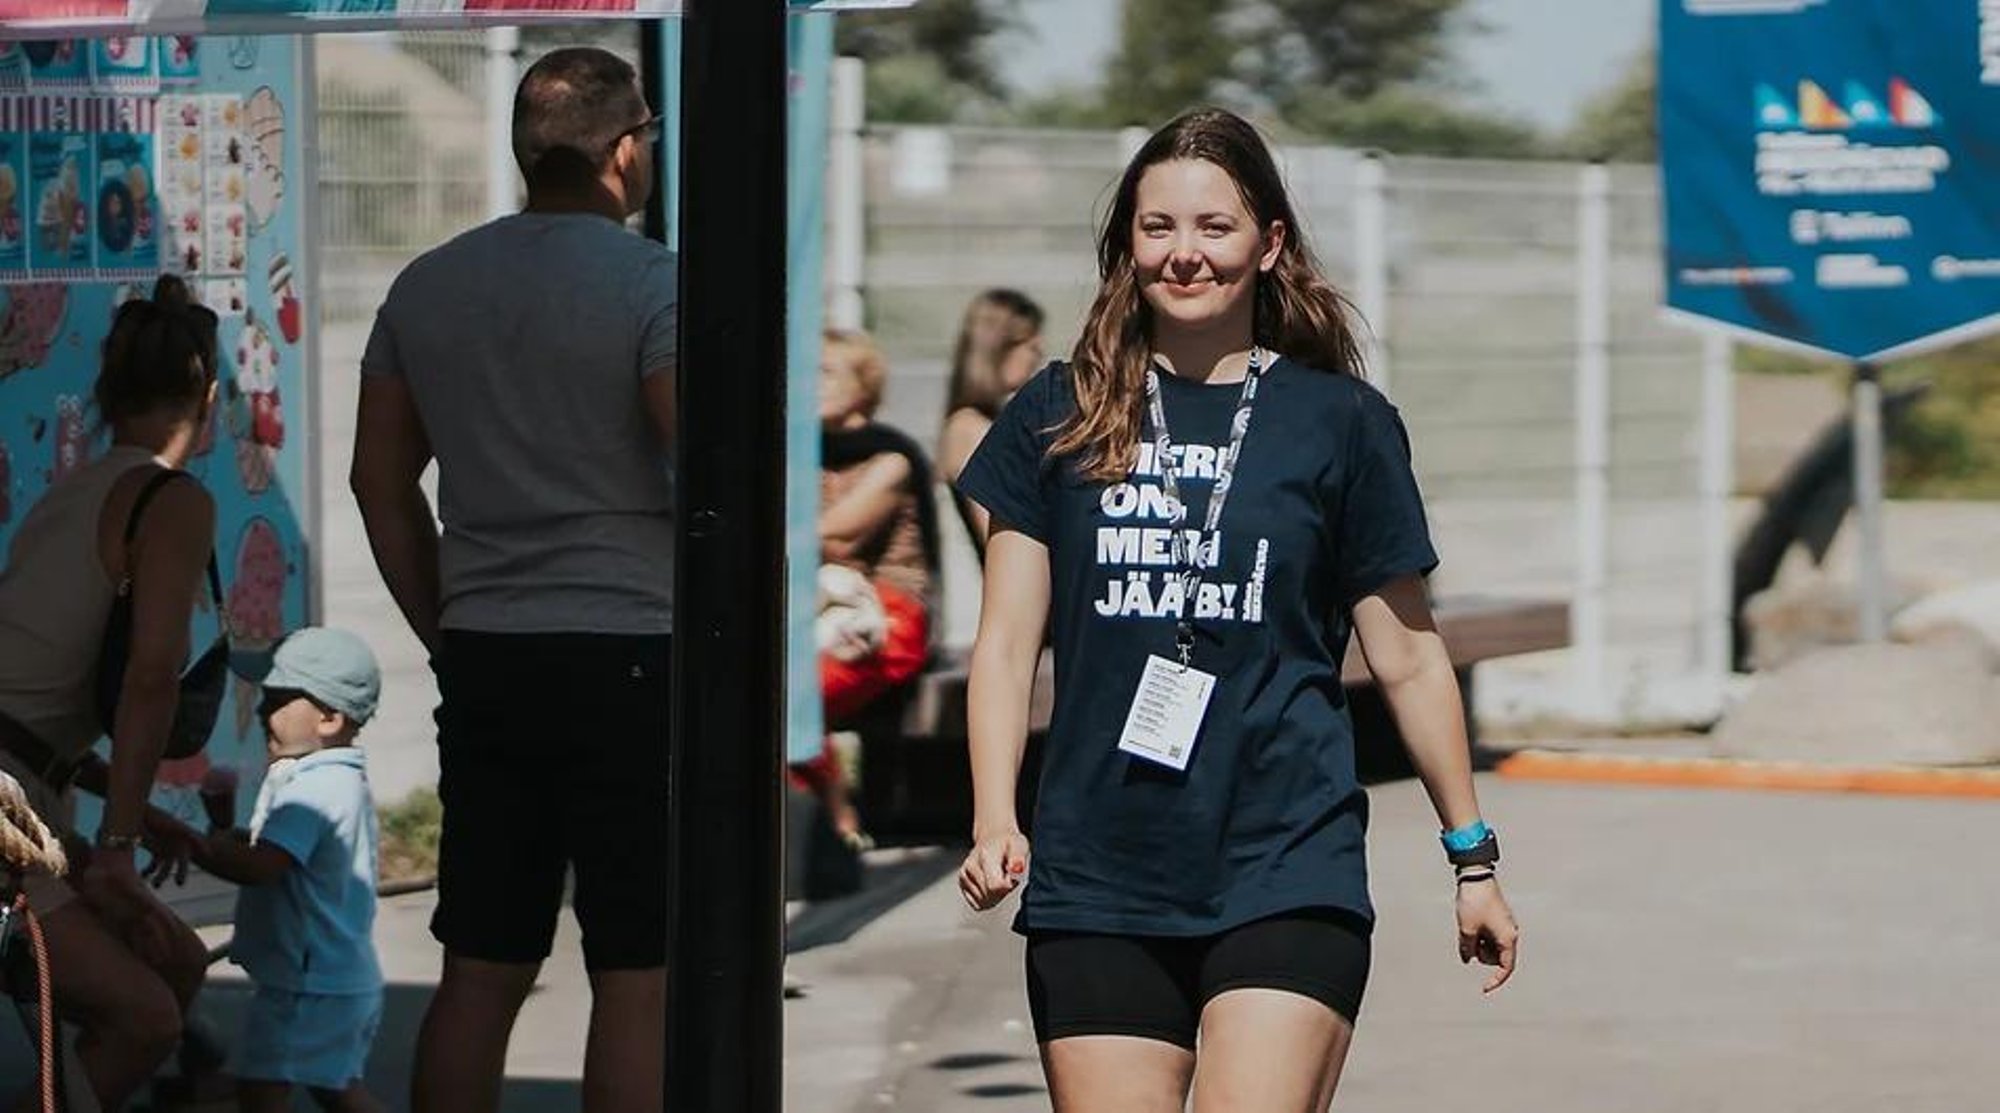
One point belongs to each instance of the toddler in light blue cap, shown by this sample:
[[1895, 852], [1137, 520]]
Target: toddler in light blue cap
[[305, 916]]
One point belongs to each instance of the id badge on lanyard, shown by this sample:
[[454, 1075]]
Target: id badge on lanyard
[[1166, 713]]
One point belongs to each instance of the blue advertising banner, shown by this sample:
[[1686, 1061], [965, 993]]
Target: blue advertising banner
[[811, 46], [1832, 170]]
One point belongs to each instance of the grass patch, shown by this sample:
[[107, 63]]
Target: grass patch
[[409, 836], [1949, 448]]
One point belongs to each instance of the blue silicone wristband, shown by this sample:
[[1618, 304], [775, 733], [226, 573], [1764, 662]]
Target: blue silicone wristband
[[1467, 837]]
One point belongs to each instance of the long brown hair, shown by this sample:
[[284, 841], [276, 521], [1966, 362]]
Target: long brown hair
[[1298, 313], [995, 323]]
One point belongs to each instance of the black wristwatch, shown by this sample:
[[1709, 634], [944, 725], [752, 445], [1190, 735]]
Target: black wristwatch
[[1485, 852]]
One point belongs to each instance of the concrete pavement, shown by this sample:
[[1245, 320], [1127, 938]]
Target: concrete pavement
[[1685, 951]]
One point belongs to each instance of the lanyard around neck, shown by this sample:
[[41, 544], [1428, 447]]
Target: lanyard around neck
[[1188, 565]]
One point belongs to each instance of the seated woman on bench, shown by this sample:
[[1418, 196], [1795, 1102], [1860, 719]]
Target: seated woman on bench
[[124, 968], [878, 553], [999, 348]]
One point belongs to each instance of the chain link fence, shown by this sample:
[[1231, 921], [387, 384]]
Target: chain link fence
[[1475, 313], [403, 123], [1470, 269]]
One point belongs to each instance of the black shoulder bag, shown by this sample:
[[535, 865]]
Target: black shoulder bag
[[202, 685]]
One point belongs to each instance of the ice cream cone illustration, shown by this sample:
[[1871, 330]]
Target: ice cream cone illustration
[[181, 51], [256, 413], [264, 122], [28, 328], [72, 437], [11, 229], [256, 608], [61, 213], [284, 294], [139, 181]]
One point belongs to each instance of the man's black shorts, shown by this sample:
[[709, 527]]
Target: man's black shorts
[[552, 751]]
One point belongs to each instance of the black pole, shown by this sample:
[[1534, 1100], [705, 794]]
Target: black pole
[[652, 64], [725, 949]]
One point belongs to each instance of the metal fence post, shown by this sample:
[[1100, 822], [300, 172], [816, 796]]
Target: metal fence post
[[1371, 264], [1718, 478], [846, 189], [1871, 591], [503, 48], [1593, 438]]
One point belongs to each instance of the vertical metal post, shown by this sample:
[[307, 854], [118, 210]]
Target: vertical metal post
[[726, 923], [305, 273], [847, 194], [1371, 264], [1130, 140], [1593, 436], [1871, 589], [1718, 478], [660, 76], [503, 49]]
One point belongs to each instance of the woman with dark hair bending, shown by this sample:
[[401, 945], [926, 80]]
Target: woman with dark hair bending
[[1206, 500], [123, 966], [999, 348]]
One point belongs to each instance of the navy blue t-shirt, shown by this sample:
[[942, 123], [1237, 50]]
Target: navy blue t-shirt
[[1269, 816]]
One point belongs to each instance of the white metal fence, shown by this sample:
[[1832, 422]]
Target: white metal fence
[[1513, 302], [1498, 304]]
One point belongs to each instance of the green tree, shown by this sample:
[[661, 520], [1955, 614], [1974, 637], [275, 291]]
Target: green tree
[[1365, 72], [958, 35], [1408, 120], [1621, 124], [914, 89], [1354, 49], [1172, 55]]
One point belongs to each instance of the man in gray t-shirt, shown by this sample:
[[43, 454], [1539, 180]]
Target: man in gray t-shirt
[[534, 360]]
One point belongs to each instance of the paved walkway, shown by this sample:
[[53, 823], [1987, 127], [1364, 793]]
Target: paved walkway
[[1686, 951]]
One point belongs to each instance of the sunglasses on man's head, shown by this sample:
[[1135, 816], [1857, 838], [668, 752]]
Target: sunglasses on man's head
[[648, 129]]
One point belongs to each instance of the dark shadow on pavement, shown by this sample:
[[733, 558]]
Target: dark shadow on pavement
[[975, 1060], [390, 1066], [889, 877], [1002, 1090]]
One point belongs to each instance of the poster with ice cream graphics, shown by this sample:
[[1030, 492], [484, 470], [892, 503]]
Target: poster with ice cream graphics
[[128, 232], [13, 200], [127, 63], [61, 184], [225, 179], [180, 59], [57, 63], [183, 197], [197, 157], [13, 66]]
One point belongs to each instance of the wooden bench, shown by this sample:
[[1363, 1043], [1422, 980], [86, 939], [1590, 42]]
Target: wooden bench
[[916, 782]]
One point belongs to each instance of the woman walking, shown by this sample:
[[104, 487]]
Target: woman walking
[[999, 348], [1206, 501]]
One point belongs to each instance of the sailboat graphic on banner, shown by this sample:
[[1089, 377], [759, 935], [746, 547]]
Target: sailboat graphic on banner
[[1908, 107], [1774, 111], [1818, 111], [1864, 108]]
